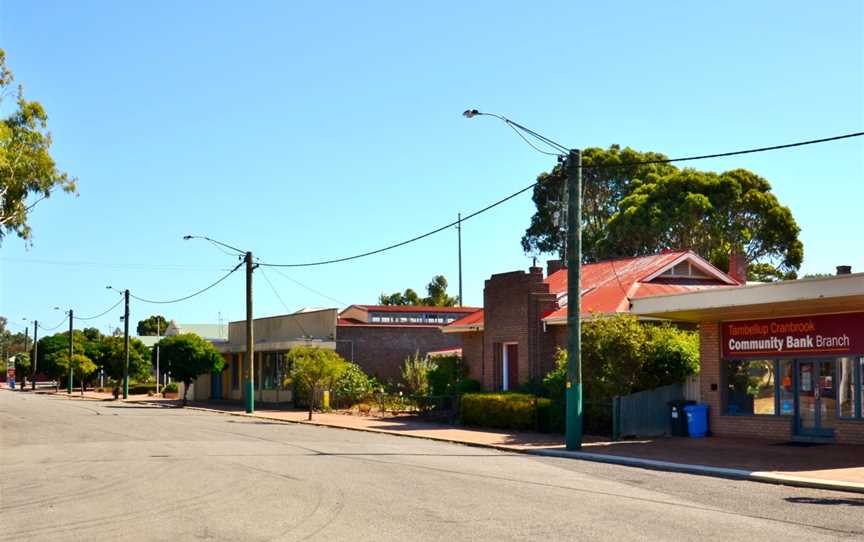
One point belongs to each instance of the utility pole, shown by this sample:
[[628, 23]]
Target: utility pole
[[459, 229], [35, 351], [126, 344], [249, 366], [71, 344], [158, 337], [573, 436]]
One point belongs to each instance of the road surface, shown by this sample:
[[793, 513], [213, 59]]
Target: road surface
[[89, 470]]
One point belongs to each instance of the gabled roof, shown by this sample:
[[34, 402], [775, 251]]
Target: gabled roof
[[608, 286]]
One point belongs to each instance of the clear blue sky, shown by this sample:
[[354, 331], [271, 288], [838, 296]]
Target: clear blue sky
[[307, 130]]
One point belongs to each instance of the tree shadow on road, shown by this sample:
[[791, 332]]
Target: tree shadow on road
[[825, 501]]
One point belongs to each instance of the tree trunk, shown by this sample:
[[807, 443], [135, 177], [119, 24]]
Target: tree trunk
[[311, 401]]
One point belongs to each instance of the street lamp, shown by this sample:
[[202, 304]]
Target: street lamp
[[572, 158], [249, 362]]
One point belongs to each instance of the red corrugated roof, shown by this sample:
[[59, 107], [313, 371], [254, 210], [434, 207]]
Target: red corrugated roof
[[415, 308], [472, 320], [607, 286]]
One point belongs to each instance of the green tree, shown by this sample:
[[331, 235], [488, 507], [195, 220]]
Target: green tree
[[187, 356], [436, 296], [22, 368], [602, 190], [643, 209], [109, 355], [26, 167], [315, 369], [82, 366], [711, 214], [154, 325]]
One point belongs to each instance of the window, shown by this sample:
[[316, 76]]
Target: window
[[751, 387], [785, 381], [846, 387], [269, 368]]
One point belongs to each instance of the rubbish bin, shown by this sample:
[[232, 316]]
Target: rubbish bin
[[677, 417], [697, 420]]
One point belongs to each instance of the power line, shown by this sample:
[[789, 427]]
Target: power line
[[109, 309], [201, 291], [532, 185], [63, 321], [314, 291], [279, 297]]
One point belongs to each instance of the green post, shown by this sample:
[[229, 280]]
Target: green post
[[126, 344], [69, 384], [249, 366], [573, 436]]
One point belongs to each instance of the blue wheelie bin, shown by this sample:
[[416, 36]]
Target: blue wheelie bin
[[697, 420]]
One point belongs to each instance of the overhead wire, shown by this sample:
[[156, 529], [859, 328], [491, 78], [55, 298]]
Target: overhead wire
[[532, 185], [309, 288], [179, 299], [43, 328], [285, 305], [106, 311]]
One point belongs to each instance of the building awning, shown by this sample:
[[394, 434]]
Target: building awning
[[275, 346], [841, 293]]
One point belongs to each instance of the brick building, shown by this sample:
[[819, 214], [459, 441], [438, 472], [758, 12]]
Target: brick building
[[513, 339], [379, 337], [779, 360]]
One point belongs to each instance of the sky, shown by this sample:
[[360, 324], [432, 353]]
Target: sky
[[314, 130]]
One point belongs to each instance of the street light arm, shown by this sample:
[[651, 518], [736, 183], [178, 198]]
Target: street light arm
[[215, 242], [471, 113]]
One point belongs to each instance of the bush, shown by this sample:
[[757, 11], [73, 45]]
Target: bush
[[469, 385], [501, 410], [415, 374], [171, 387], [141, 389], [446, 374], [351, 387]]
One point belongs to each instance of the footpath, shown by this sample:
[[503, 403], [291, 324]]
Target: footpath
[[823, 466]]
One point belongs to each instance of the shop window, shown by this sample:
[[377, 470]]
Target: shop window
[[269, 370], [751, 387], [785, 381]]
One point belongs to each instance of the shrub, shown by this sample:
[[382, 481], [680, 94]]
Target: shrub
[[469, 385], [141, 389], [415, 374], [171, 387], [446, 374], [351, 387], [501, 410]]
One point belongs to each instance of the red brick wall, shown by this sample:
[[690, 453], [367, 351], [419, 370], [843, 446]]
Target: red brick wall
[[513, 305], [472, 353], [381, 350], [771, 427]]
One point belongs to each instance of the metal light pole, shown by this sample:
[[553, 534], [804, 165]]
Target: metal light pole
[[158, 337], [573, 409], [126, 344], [35, 352], [459, 229], [71, 344]]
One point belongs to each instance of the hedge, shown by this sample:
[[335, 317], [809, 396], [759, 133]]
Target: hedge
[[503, 410]]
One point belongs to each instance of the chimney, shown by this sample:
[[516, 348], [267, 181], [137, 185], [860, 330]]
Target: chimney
[[844, 269], [553, 266], [738, 267], [538, 271]]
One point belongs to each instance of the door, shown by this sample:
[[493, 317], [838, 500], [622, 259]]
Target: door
[[510, 369], [816, 401], [216, 385]]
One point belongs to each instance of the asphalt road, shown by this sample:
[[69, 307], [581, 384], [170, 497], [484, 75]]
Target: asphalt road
[[87, 470]]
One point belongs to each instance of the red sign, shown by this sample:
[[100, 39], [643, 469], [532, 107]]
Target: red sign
[[830, 334]]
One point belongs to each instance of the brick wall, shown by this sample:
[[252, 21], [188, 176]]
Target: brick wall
[[381, 350], [472, 353], [513, 305], [770, 427]]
